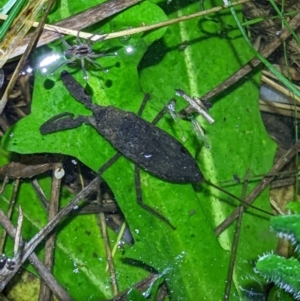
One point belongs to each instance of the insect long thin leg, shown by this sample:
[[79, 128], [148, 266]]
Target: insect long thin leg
[[162, 112], [110, 162], [143, 105], [140, 199]]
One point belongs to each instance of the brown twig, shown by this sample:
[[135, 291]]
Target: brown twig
[[19, 259], [45, 293], [40, 193], [57, 289], [80, 21], [236, 240], [9, 211], [20, 170], [283, 182], [109, 256], [24, 57], [261, 186], [248, 67], [18, 236], [141, 286]]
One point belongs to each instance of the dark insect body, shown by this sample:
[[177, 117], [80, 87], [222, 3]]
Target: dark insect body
[[137, 139], [140, 141]]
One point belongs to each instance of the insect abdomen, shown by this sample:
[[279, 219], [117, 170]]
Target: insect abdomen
[[147, 145]]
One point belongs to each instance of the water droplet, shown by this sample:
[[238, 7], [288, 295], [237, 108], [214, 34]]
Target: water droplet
[[125, 39], [129, 49]]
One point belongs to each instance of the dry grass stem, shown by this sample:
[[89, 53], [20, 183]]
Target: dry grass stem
[[278, 87], [113, 35], [279, 108]]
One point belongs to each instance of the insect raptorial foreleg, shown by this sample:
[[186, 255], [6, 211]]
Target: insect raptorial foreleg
[[60, 122], [75, 89]]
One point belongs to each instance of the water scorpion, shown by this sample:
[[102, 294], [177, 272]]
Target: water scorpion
[[142, 142]]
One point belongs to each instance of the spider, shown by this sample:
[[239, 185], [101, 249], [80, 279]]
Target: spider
[[80, 51]]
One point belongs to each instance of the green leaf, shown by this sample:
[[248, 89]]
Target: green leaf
[[134, 295], [189, 257], [294, 206], [79, 254], [283, 272], [237, 141], [277, 294], [287, 226]]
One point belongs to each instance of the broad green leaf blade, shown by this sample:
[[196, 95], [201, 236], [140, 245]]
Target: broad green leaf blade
[[173, 253], [79, 254], [179, 255], [50, 97], [237, 141]]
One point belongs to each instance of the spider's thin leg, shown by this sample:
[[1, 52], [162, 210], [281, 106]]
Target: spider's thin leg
[[94, 63], [83, 69], [63, 63], [77, 38], [58, 66], [96, 55], [67, 45], [90, 41]]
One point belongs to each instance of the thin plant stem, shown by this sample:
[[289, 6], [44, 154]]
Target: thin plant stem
[[14, 12], [279, 76]]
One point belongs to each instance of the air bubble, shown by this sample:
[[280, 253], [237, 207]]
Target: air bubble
[[59, 173]]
